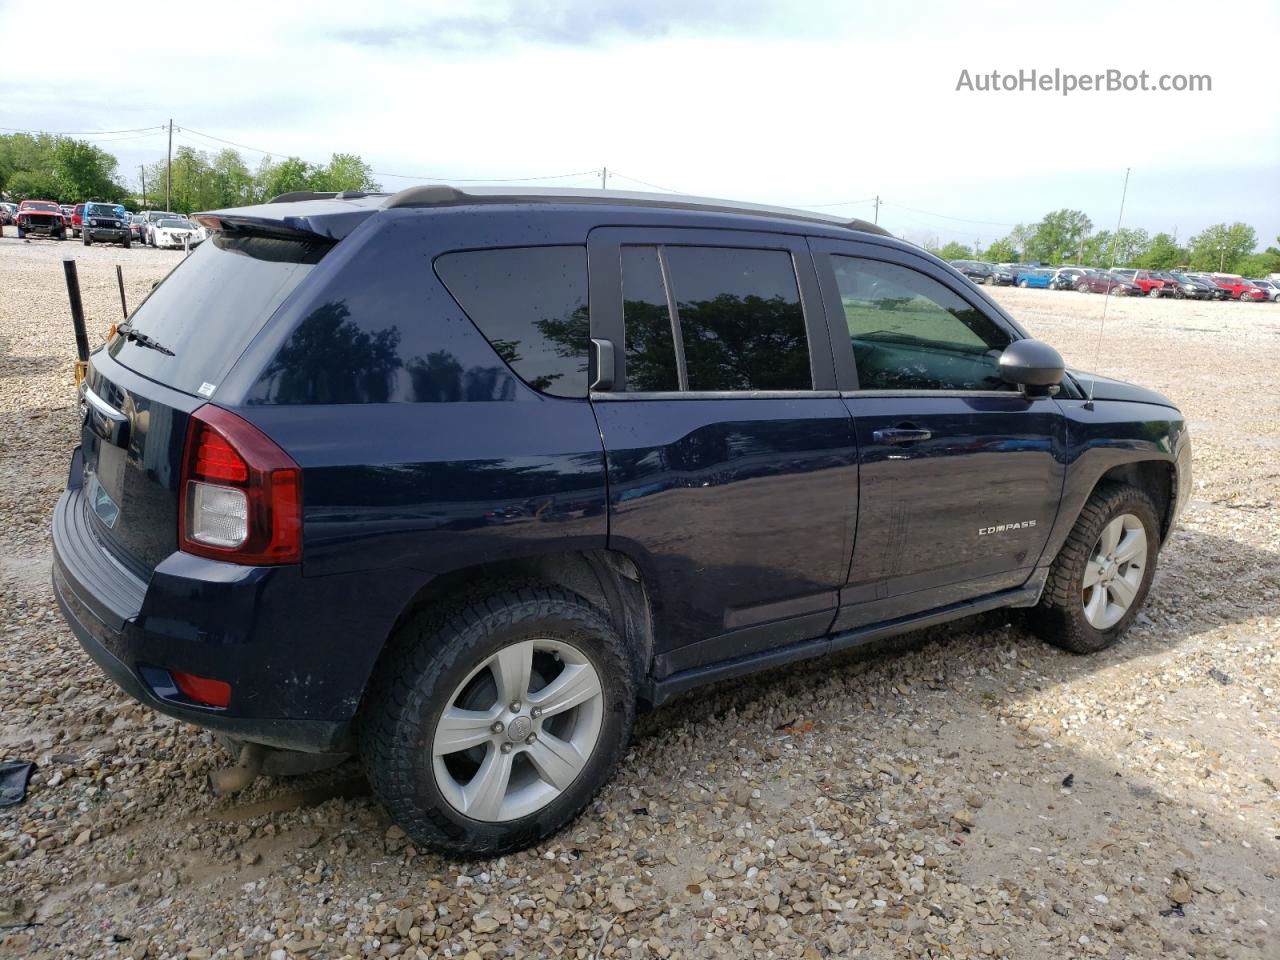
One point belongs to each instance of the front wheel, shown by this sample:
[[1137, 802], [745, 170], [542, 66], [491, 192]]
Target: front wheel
[[490, 728], [1101, 576], [127, 243], [1154, 293], [88, 240]]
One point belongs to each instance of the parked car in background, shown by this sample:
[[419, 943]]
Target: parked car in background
[[149, 224], [172, 232], [1270, 288], [1004, 274], [8, 213], [1142, 279], [1238, 287], [1183, 287], [1218, 292], [976, 270], [105, 223], [1102, 281], [321, 503], [1039, 277], [77, 219], [136, 223], [1066, 278], [40, 218], [68, 211]]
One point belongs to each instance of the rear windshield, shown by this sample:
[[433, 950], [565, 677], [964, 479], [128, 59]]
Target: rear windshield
[[210, 306]]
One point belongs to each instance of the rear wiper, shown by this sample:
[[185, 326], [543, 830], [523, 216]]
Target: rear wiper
[[141, 339]]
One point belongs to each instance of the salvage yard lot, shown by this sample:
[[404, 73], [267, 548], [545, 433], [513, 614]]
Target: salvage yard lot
[[969, 792]]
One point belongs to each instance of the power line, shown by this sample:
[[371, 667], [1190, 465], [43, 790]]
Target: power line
[[80, 133], [656, 186], [838, 203], [401, 176], [943, 216]]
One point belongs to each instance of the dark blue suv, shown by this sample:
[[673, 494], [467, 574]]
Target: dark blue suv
[[458, 480]]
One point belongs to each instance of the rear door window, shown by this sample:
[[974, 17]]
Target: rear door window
[[738, 323], [531, 305], [205, 312]]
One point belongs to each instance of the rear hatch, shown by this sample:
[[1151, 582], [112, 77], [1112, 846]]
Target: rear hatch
[[143, 386]]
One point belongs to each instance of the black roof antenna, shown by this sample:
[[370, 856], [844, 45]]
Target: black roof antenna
[[1097, 356]]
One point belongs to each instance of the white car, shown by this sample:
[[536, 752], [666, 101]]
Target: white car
[[1270, 287], [175, 232]]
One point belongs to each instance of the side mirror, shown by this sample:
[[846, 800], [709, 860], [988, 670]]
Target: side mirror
[[1034, 366]]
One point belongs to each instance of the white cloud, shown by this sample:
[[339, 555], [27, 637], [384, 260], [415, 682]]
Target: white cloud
[[773, 103]]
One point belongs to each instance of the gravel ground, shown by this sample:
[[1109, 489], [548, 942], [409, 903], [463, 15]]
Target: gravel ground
[[967, 792]]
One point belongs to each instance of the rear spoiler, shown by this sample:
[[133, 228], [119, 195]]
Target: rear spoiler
[[260, 227], [309, 217]]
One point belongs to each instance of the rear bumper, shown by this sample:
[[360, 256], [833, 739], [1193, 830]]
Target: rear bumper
[[198, 616]]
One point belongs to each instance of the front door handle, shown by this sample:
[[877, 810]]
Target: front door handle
[[900, 435]]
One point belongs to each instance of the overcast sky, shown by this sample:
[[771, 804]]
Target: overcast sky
[[801, 104]]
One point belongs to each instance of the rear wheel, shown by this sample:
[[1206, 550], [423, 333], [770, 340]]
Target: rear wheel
[[490, 728], [1023, 284], [1101, 576], [1154, 293]]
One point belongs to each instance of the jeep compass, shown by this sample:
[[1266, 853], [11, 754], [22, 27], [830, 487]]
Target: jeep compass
[[458, 481]]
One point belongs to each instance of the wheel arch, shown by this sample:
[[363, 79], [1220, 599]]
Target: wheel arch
[[607, 579], [1156, 478]]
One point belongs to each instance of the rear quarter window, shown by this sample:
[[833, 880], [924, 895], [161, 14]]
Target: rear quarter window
[[531, 305]]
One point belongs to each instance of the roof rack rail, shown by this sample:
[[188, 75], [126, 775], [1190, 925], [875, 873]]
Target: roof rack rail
[[295, 195], [441, 195]]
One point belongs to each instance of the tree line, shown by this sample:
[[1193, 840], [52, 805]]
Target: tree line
[[65, 170], [1067, 236]]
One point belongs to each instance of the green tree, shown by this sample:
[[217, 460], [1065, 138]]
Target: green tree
[[1058, 236], [952, 251], [344, 171], [1162, 254], [290, 174], [33, 185], [1096, 251], [1002, 251], [1129, 246], [1222, 247]]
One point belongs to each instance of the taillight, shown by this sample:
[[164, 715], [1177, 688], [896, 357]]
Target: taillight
[[241, 495]]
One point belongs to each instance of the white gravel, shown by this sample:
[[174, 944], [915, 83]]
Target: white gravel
[[964, 793]]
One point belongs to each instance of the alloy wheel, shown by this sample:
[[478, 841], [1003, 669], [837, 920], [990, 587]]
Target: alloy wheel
[[518, 731], [1114, 573]]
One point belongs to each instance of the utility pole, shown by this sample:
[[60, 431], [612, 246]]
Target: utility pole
[[142, 175], [877, 219], [168, 168], [604, 178]]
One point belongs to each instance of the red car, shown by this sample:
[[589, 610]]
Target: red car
[[77, 220], [1150, 284], [40, 218], [1241, 289], [1099, 281]]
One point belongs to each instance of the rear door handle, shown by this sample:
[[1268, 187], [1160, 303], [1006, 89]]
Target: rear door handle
[[900, 435], [603, 355]]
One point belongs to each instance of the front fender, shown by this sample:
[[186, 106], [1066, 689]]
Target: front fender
[[1105, 434]]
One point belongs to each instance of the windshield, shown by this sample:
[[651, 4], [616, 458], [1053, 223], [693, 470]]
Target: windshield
[[100, 210], [211, 305], [34, 205]]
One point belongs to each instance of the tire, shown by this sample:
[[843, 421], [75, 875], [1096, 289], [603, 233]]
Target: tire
[[22, 234], [1154, 293], [1179, 295], [438, 661], [1061, 618], [88, 240], [126, 242], [1023, 284], [61, 235]]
